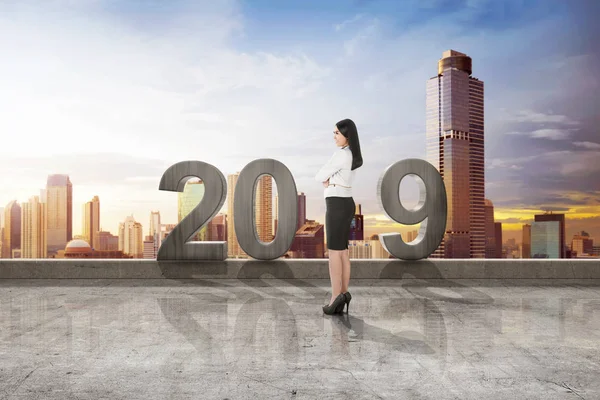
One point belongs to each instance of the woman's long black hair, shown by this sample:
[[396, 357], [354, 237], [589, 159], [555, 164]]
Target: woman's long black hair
[[347, 127]]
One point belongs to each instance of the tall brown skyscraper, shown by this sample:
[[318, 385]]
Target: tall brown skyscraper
[[154, 231], [59, 212], [12, 229], [455, 146], [498, 239], [301, 210], [526, 242], [490, 238], [91, 220], [33, 229], [264, 208]]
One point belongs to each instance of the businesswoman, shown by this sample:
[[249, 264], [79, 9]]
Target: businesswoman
[[337, 177]]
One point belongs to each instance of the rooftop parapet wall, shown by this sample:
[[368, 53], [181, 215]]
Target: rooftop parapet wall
[[299, 269]]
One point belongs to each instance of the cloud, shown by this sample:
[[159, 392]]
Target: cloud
[[588, 145], [100, 78], [565, 163], [554, 208], [538, 117], [514, 220], [343, 24], [95, 169], [360, 40], [551, 134], [515, 163]]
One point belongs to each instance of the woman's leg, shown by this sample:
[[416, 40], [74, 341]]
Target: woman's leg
[[345, 270], [346, 253], [335, 273]]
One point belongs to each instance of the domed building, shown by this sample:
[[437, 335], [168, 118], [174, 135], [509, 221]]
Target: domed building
[[78, 248]]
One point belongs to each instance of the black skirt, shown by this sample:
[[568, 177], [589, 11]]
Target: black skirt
[[338, 218]]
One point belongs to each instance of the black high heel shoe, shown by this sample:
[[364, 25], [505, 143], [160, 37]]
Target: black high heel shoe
[[337, 306], [347, 298]]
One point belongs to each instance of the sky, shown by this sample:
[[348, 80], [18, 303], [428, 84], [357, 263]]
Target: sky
[[114, 92]]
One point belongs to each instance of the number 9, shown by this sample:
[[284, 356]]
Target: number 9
[[431, 211]]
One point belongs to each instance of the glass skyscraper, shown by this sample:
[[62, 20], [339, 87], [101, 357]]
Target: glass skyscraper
[[455, 146], [58, 197], [545, 239], [560, 218], [188, 200]]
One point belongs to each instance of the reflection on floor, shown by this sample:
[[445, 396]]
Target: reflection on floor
[[259, 339]]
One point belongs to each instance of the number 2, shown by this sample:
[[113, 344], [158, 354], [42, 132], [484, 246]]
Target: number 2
[[175, 246]]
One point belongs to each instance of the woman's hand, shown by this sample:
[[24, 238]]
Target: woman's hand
[[326, 183]]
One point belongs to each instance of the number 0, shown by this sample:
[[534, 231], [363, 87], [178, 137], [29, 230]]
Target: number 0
[[244, 208]]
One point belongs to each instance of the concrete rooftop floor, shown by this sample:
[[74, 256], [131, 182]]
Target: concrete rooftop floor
[[268, 339]]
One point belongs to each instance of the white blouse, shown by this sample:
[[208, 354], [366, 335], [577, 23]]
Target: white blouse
[[338, 170]]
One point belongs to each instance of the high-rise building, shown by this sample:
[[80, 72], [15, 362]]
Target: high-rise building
[[1, 229], [33, 229], [188, 200], [411, 235], [276, 215], [12, 229], [149, 247], [301, 210], [130, 238], [91, 220], [309, 241], [550, 216], [490, 237], [217, 229], [165, 230], [59, 212], [455, 146], [582, 244], [377, 250], [264, 208], [360, 249], [154, 231], [526, 242], [357, 231], [498, 239], [106, 241], [545, 239]]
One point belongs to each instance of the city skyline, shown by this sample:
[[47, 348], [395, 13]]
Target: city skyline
[[150, 113], [546, 236]]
